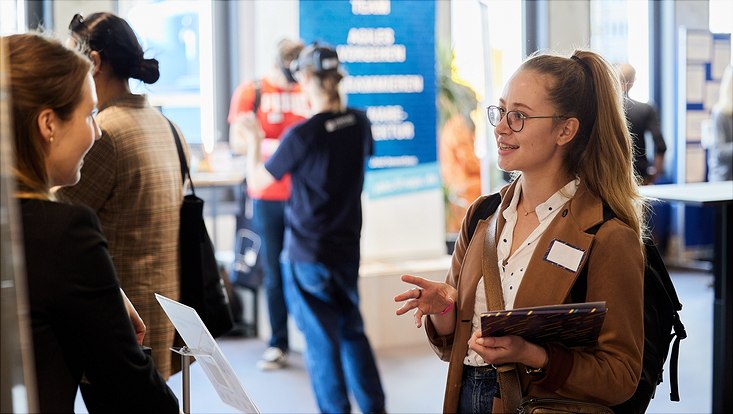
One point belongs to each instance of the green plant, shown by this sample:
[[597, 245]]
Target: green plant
[[454, 98]]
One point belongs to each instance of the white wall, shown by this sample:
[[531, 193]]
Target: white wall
[[64, 10], [569, 25], [263, 25]]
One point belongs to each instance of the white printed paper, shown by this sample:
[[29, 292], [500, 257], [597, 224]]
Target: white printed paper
[[695, 83], [698, 46], [203, 346], [695, 163]]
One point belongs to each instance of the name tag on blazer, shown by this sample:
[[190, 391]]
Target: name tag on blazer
[[564, 255]]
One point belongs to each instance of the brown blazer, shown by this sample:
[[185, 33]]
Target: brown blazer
[[132, 179], [606, 373]]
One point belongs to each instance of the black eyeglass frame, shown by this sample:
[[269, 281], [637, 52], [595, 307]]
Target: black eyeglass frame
[[503, 112]]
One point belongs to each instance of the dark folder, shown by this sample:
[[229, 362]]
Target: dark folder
[[573, 324]]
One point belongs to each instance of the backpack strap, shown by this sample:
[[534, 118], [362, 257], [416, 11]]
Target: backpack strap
[[258, 96], [655, 261], [679, 334], [579, 289], [487, 207]]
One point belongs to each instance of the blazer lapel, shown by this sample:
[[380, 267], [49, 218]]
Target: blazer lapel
[[549, 277]]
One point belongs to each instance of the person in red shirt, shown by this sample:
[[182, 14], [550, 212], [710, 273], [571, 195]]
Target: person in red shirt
[[278, 103]]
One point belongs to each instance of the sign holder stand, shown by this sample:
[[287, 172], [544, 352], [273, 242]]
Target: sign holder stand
[[186, 358]]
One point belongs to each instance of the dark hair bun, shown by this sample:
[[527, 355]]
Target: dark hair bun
[[115, 41], [147, 71]]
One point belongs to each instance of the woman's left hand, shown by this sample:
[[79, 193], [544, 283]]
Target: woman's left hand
[[135, 318], [507, 349]]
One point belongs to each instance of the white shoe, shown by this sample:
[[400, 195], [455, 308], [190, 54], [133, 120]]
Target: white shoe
[[273, 358]]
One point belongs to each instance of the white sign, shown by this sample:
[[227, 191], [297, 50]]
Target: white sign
[[203, 346]]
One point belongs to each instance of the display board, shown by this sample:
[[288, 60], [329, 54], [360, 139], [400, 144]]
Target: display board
[[387, 49], [702, 58]]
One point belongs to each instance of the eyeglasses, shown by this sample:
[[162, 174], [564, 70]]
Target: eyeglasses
[[515, 119], [77, 22]]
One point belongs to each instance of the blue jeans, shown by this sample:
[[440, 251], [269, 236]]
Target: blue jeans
[[477, 390], [324, 301], [269, 219]]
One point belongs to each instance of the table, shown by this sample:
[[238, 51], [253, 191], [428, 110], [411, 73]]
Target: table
[[720, 196], [210, 182]]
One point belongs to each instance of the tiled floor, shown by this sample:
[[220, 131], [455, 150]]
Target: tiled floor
[[414, 378]]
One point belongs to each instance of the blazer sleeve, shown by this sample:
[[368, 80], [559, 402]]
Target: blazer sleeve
[[443, 344], [95, 315]]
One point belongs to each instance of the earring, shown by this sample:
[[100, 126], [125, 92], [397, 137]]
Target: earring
[[50, 140]]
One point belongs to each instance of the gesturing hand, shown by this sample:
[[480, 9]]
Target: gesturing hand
[[426, 298]]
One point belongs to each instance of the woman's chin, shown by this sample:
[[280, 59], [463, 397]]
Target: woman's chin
[[504, 166], [66, 182]]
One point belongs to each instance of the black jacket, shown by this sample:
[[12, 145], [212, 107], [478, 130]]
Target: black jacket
[[79, 322]]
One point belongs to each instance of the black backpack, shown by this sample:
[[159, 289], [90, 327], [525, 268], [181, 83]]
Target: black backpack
[[662, 322]]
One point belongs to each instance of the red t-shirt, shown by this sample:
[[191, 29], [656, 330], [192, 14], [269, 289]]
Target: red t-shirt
[[279, 109]]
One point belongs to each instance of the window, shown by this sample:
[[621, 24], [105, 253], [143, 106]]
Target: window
[[487, 41], [720, 21], [12, 17], [179, 34], [720, 16], [620, 32], [487, 26]]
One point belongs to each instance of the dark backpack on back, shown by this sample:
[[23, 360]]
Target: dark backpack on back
[[662, 322]]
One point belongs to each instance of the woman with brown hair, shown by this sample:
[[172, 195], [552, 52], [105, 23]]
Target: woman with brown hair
[[79, 319], [560, 127]]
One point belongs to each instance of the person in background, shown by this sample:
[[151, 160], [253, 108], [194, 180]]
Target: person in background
[[83, 326], [720, 152], [560, 126], [132, 177], [326, 157], [277, 103], [642, 118]]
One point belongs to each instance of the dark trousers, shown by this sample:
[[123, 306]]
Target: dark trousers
[[269, 221]]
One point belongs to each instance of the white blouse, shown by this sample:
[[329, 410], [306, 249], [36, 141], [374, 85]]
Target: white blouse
[[512, 268]]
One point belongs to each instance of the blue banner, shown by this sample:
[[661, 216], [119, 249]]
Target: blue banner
[[388, 51]]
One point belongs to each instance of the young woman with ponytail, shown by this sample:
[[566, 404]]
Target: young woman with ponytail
[[560, 128]]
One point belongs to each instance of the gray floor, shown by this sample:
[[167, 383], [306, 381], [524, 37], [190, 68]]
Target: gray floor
[[413, 378]]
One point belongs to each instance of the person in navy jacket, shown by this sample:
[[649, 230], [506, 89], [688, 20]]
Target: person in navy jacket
[[325, 156]]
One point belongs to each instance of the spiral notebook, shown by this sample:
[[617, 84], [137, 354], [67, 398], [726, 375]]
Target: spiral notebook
[[573, 324]]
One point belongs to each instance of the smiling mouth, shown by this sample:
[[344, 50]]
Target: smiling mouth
[[507, 147]]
